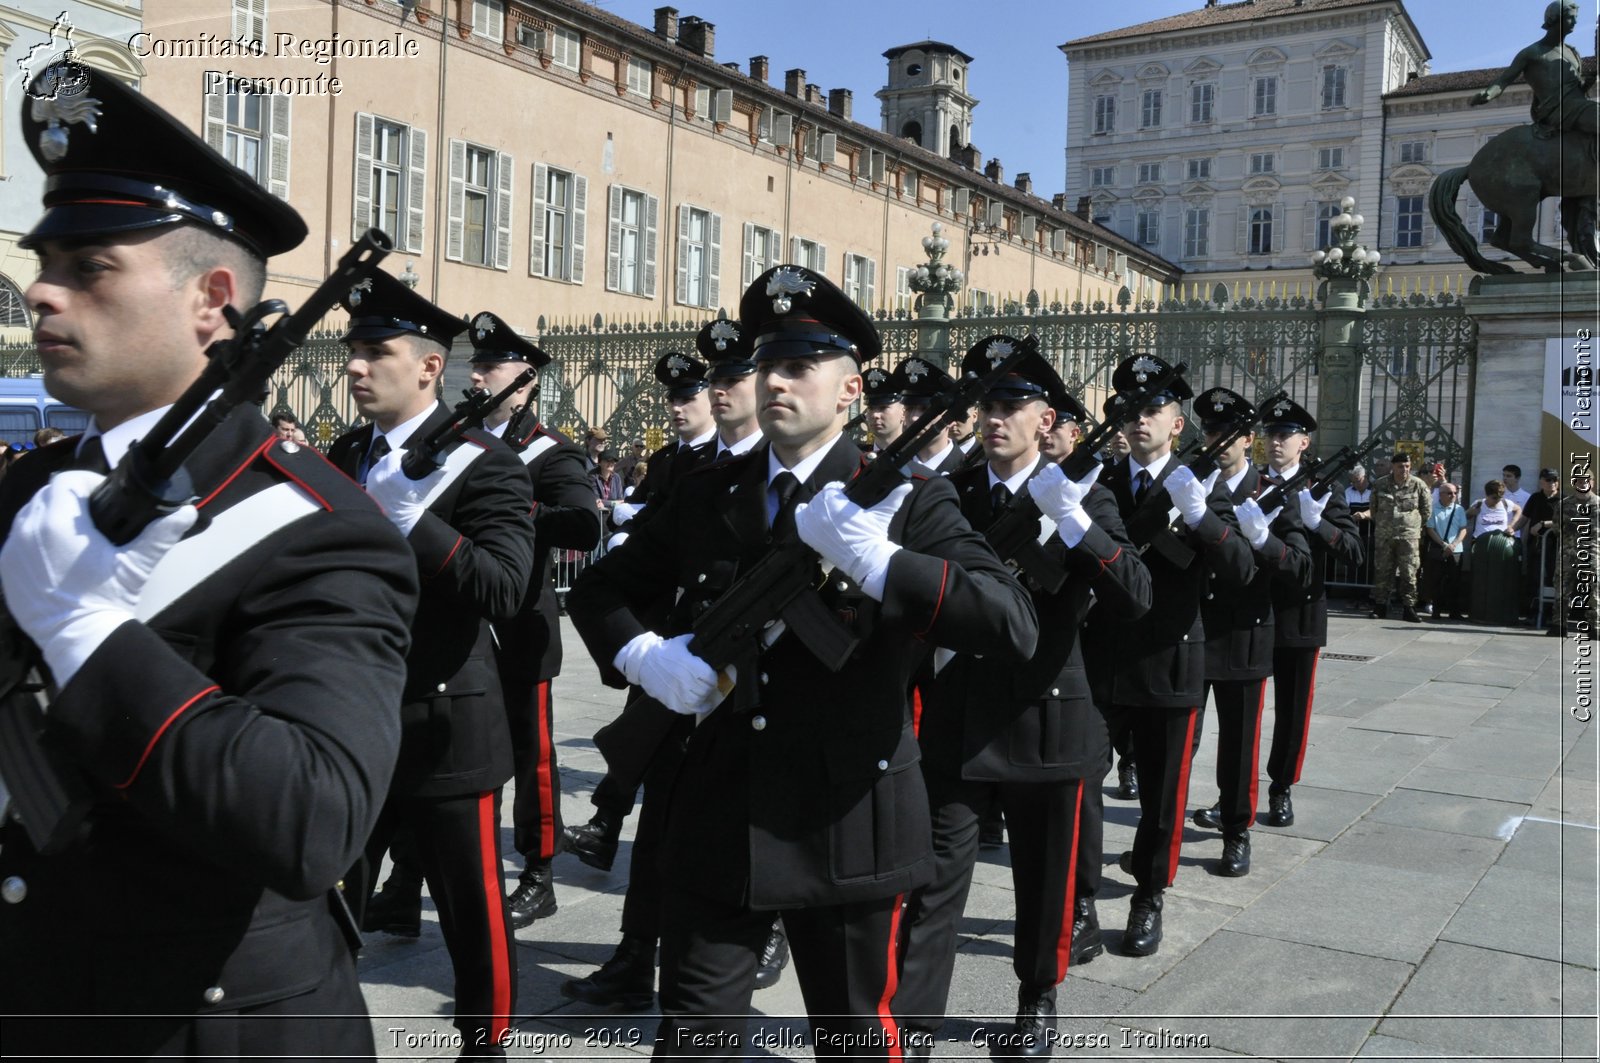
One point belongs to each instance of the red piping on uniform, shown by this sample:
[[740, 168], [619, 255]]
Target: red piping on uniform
[[443, 564], [1255, 756], [543, 741], [151, 745], [1064, 941], [1109, 561], [303, 485], [944, 578], [494, 899], [109, 202], [1183, 799], [892, 982], [1305, 717], [916, 712], [234, 475]]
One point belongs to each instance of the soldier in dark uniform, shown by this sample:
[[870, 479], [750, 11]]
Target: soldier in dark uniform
[[230, 700], [468, 524], [1239, 629], [684, 378], [1023, 736], [1156, 682], [808, 802], [1301, 608], [886, 413], [920, 382], [566, 516]]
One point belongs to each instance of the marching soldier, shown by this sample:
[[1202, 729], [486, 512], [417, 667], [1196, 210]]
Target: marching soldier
[[920, 382], [886, 412], [684, 379], [468, 525], [1025, 737], [565, 517], [231, 700], [808, 803], [1239, 623], [1400, 504], [1157, 663]]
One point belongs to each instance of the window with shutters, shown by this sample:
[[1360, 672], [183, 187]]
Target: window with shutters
[[1327, 210], [241, 138], [250, 20], [560, 207], [903, 295], [699, 257], [640, 73], [1196, 232], [1408, 221], [1149, 172], [631, 242], [1105, 114], [390, 180], [1260, 235], [1150, 109], [1202, 101], [1262, 162], [810, 254], [763, 249], [566, 46], [1266, 97], [479, 231], [1101, 176], [251, 130], [1333, 84], [702, 103], [489, 19], [1414, 151], [530, 36], [1147, 227], [1330, 158], [860, 280], [1199, 169]]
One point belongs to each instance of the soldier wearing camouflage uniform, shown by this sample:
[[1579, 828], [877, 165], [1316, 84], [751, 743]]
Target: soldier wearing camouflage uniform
[[1577, 605], [1400, 504]]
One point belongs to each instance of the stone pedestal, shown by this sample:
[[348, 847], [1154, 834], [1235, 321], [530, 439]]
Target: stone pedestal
[[1339, 415], [1517, 314], [933, 331]]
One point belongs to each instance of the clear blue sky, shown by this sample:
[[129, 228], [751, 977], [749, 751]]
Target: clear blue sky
[[1019, 74]]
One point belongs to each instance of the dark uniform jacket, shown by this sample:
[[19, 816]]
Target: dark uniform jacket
[[670, 464], [239, 742], [948, 463], [565, 517], [1239, 620], [474, 553], [989, 718], [1158, 660], [1302, 608], [814, 796]]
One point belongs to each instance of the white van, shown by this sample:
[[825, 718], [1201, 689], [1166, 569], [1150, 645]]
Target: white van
[[25, 408]]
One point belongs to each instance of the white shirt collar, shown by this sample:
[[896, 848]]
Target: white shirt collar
[[1286, 474], [401, 434], [934, 461], [806, 465], [744, 446], [1237, 478], [967, 445], [1015, 483], [1154, 468], [499, 430], [116, 441], [700, 440]]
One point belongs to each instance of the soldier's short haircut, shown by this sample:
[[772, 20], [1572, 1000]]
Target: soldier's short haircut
[[190, 250], [1398, 456]]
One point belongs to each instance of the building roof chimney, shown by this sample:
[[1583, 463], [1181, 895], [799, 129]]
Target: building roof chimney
[[1083, 208], [1024, 183], [814, 95], [667, 23], [758, 68], [839, 103], [994, 171], [697, 35], [794, 82]]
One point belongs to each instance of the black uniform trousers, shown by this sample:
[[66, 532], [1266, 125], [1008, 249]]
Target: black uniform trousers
[[1042, 830], [536, 808], [1240, 703], [1164, 738], [1294, 677], [641, 904], [846, 958], [456, 839]]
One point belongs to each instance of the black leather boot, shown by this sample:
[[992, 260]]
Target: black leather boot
[[627, 980], [1128, 782], [1280, 810], [774, 957], [1033, 1037], [595, 842], [397, 908], [1235, 861], [1143, 935], [535, 896], [1209, 818], [1086, 940]]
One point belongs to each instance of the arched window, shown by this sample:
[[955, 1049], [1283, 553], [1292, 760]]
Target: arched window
[[955, 137], [912, 131], [13, 309]]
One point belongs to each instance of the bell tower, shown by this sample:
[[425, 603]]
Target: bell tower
[[926, 100]]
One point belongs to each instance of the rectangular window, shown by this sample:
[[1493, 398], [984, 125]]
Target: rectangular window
[[1408, 221], [479, 210], [903, 295], [1266, 97], [388, 175], [1149, 172], [1333, 80], [980, 300], [1490, 222], [251, 130], [1196, 232], [810, 254], [1260, 231], [1147, 227], [560, 209], [640, 73], [1101, 176], [1105, 114], [477, 195], [860, 280], [631, 242], [1261, 162], [699, 257], [1150, 109], [1326, 212], [1199, 169], [489, 19], [566, 47], [702, 103], [1330, 158], [763, 249], [391, 166], [241, 141], [528, 36], [1414, 151], [1202, 98], [250, 20]]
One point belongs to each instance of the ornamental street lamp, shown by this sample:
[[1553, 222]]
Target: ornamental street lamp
[[1346, 259], [936, 281]]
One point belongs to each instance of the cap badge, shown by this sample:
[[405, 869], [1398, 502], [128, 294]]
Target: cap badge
[[723, 333], [483, 325], [875, 378], [677, 365], [999, 351], [916, 370], [1223, 398], [1143, 366], [1280, 409], [786, 283], [355, 293], [59, 111]]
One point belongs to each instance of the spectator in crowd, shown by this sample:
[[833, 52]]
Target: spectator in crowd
[[1436, 480], [1358, 495], [607, 481], [1493, 559], [45, 436], [636, 478], [1540, 551], [629, 460], [1444, 553], [593, 444], [1400, 505], [1511, 476]]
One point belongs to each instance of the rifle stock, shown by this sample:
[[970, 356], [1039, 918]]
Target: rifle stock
[[471, 412]]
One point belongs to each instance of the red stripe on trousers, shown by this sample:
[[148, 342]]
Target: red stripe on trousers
[[891, 1029], [1064, 942], [494, 897], [544, 741], [916, 712], [1183, 800], [1305, 718], [1255, 757]]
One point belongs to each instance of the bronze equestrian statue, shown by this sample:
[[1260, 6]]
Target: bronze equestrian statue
[[1554, 156]]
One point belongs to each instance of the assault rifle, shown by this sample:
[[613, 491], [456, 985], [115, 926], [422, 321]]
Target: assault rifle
[[1014, 533], [48, 794], [428, 456], [780, 585], [1321, 474]]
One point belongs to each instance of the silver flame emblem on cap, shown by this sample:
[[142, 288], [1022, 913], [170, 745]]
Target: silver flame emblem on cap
[[1143, 366], [876, 377], [57, 112], [677, 365], [1224, 398], [724, 333], [999, 351], [483, 325], [916, 370], [355, 293], [786, 283], [1281, 409]]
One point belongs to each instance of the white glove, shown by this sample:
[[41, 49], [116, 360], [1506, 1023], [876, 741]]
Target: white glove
[[1061, 500], [1253, 522], [1189, 494], [850, 538], [623, 512], [669, 673], [67, 585], [616, 541], [1311, 509], [403, 499]]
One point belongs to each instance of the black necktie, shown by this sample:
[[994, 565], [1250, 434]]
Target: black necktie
[[999, 497], [375, 454], [1141, 484], [786, 486], [91, 456]]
